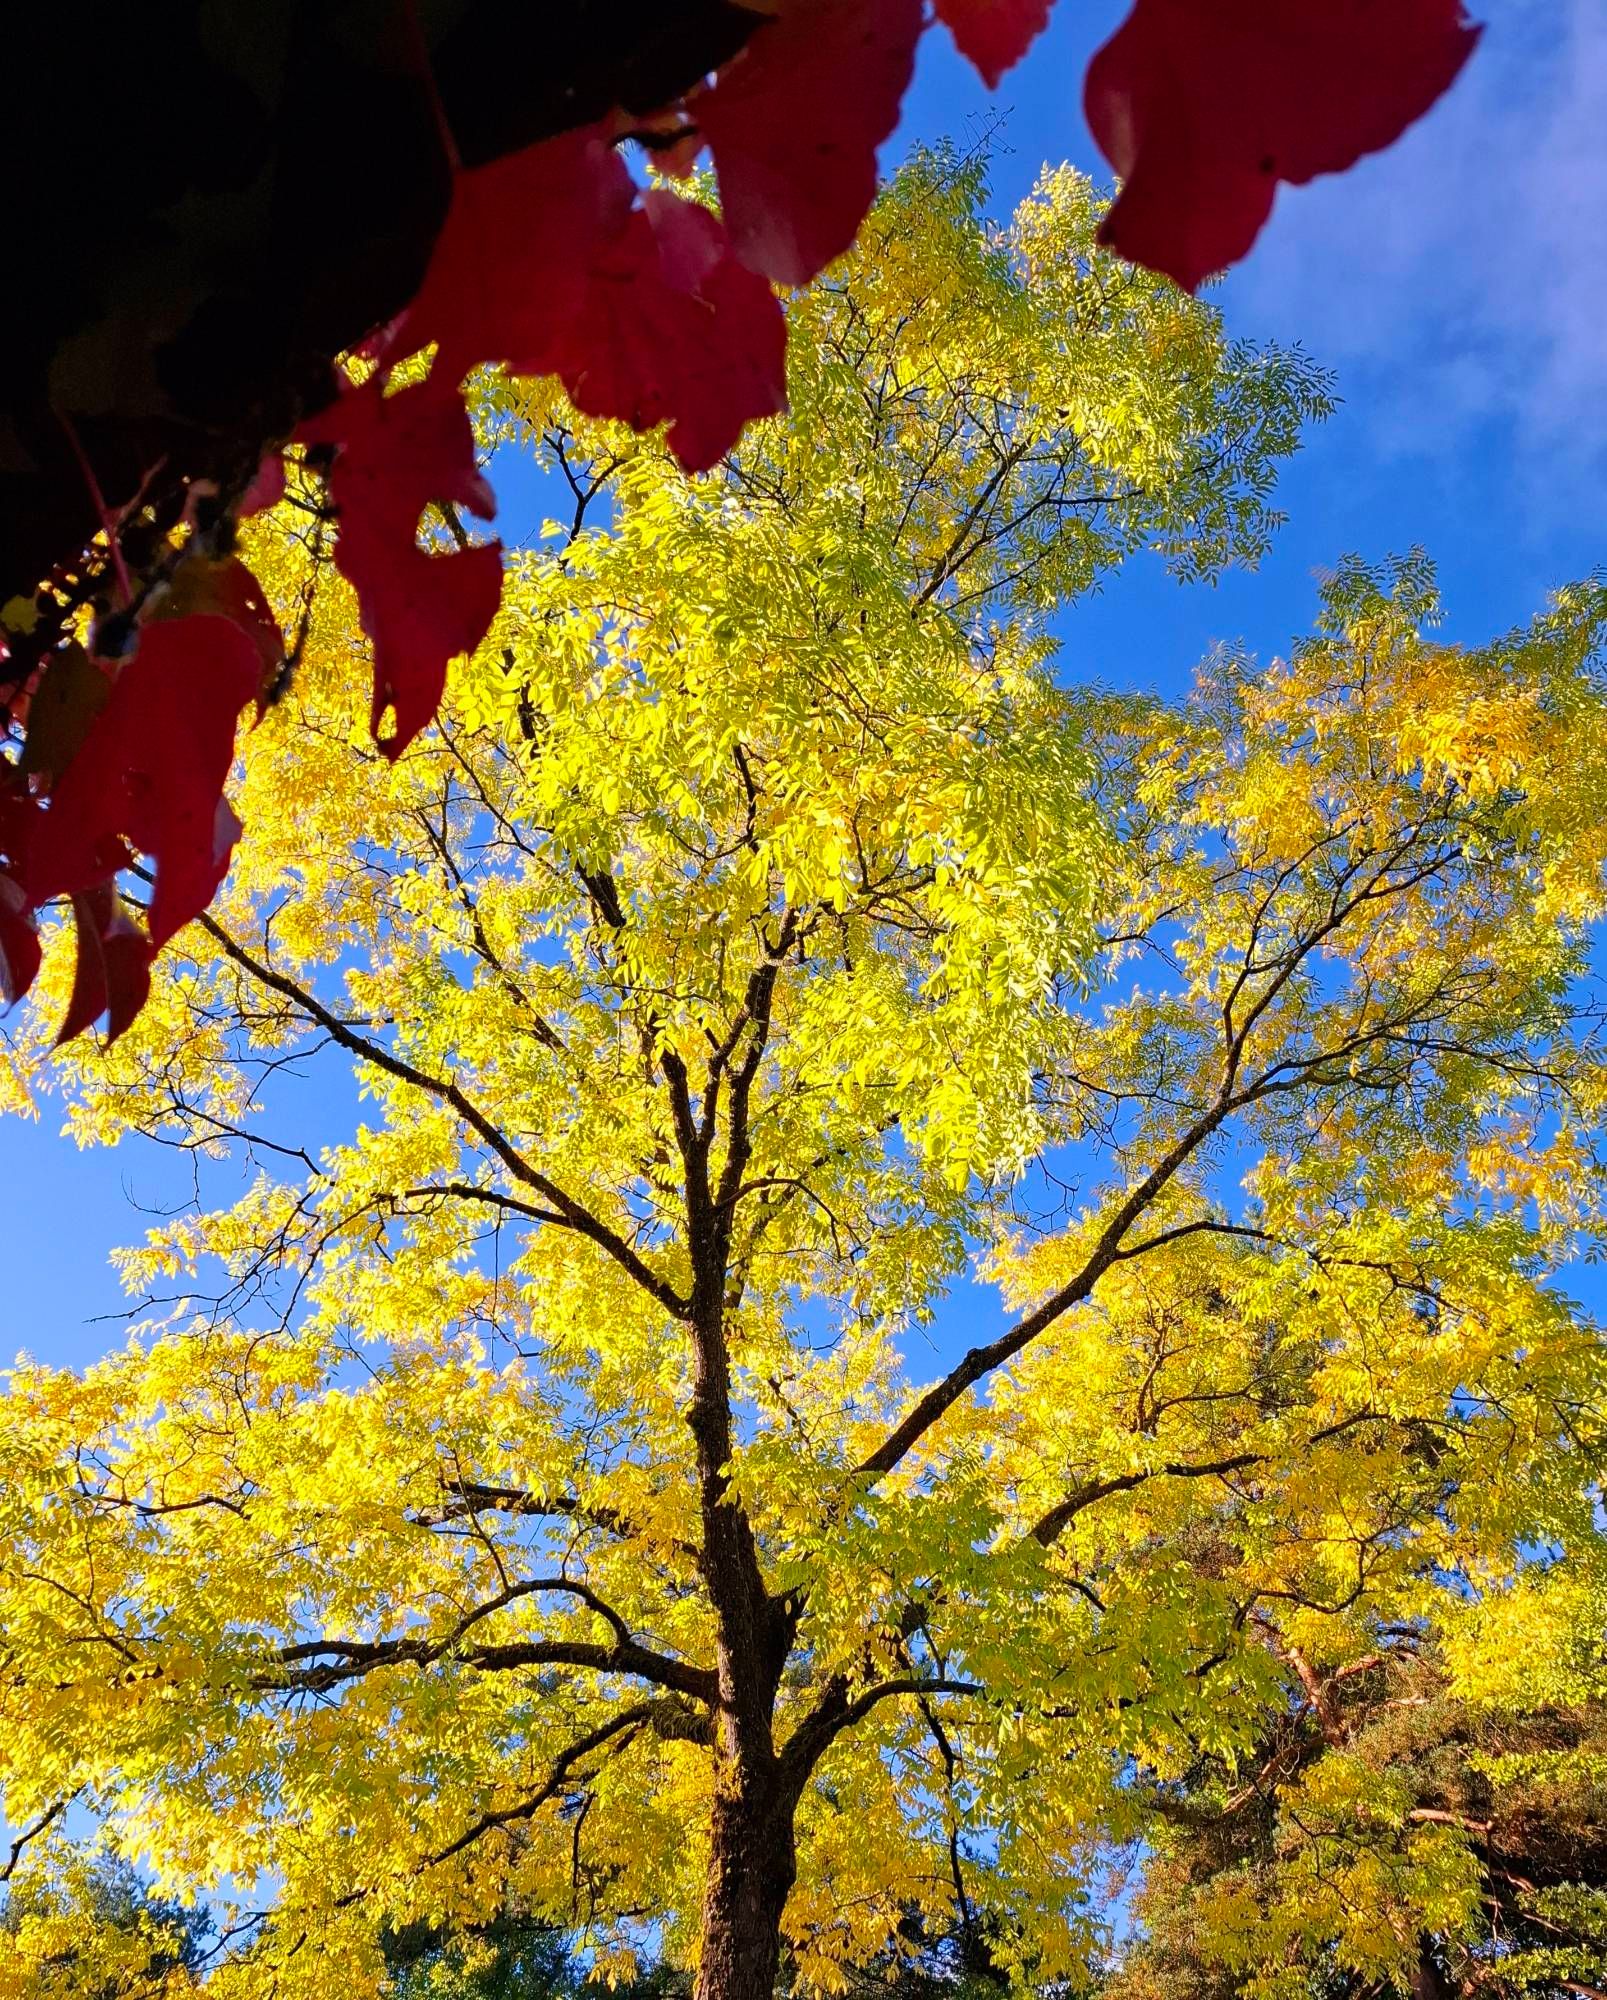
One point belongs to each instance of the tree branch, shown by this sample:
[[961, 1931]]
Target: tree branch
[[980, 1361], [627, 1723], [1060, 1516], [1229, 1097], [315, 1665], [573, 1213], [20, 1844], [835, 1712]]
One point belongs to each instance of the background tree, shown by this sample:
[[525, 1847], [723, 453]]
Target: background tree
[[93, 1929], [510, 1958], [1305, 1869], [1469, 1749], [543, 1514]]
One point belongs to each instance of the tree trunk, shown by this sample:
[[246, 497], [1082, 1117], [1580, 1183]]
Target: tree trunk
[[752, 1863], [1427, 1982]]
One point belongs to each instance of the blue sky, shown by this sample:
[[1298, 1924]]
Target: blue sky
[[1457, 284]]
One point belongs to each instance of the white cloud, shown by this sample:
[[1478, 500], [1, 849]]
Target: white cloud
[[1460, 281]]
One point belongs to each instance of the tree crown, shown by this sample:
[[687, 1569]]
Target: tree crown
[[556, 1488]]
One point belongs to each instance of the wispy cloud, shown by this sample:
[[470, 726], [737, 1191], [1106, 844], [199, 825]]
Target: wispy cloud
[[1459, 282]]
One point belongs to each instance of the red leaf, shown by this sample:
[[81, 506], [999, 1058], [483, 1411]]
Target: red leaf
[[267, 487], [227, 589], [151, 771], [550, 263], [423, 613], [113, 971], [394, 455], [1204, 108], [19, 943], [994, 34], [674, 328], [510, 267], [794, 123], [553, 263]]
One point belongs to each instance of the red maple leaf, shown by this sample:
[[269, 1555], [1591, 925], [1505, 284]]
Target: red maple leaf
[[994, 34], [151, 772], [395, 454], [112, 975], [19, 942], [424, 613], [511, 266], [674, 329], [553, 262], [794, 123], [227, 589], [1203, 108], [267, 487]]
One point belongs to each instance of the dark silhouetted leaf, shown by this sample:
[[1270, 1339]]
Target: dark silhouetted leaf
[[112, 975], [72, 692], [19, 943], [994, 34]]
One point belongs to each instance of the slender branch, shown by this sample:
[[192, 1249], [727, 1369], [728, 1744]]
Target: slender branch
[[468, 1497], [630, 1720], [19, 1845], [980, 1361], [1060, 1516], [489, 1197], [574, 1214], [1206, 1226], [835, 1712], [316, 1665], [1432, 1816]]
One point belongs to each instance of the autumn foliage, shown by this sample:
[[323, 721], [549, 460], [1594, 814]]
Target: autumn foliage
[[557, 1478], [137, 656]]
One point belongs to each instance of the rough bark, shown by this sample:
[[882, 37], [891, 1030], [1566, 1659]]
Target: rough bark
[[752, 1864], [752, 1860]]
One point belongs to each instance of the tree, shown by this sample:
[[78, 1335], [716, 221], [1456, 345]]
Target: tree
[[1426, 1819], [94, 1930], [508, 1959], [473, 204], [542, 1514]]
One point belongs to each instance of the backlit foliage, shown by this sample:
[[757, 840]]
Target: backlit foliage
[[546, 1490]]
